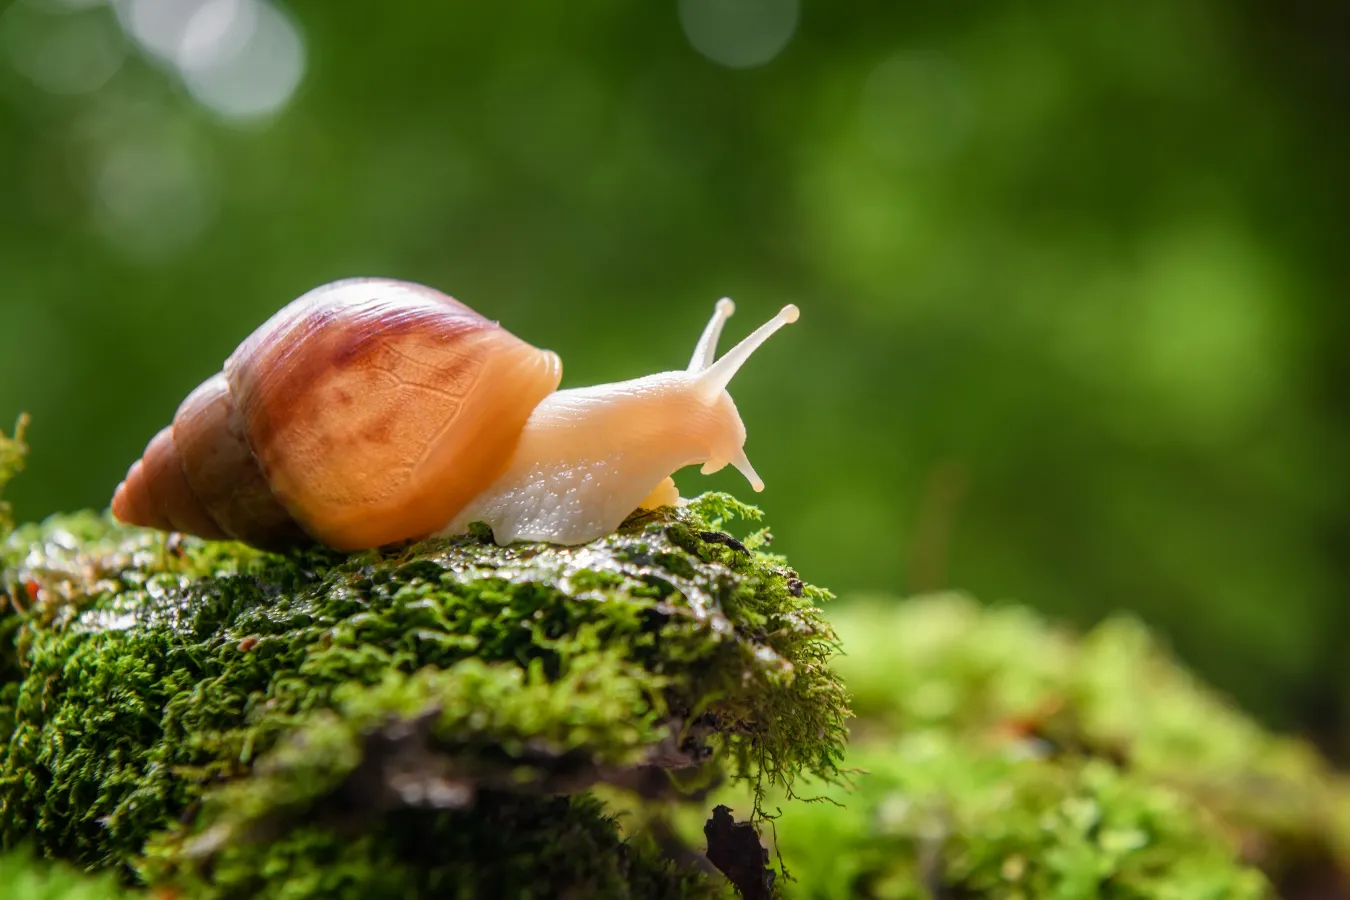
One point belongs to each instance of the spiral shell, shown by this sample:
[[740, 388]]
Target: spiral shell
[[366, 412]]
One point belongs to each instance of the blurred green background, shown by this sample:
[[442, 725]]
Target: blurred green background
[[1071, 275]]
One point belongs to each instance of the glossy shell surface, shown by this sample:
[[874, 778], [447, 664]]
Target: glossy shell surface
[[373, 411]]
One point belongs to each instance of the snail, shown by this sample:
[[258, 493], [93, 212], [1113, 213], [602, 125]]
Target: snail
[[371, 411]]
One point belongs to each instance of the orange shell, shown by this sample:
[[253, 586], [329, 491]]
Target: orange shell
[[373, 409], [377, 409]]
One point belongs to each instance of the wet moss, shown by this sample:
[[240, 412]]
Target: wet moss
[[170, 701]]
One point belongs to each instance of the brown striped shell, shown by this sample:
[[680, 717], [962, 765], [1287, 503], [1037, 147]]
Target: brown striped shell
[[364, 413]]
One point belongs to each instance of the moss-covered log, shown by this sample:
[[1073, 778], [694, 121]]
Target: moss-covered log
[[422, 721], [457, 719]]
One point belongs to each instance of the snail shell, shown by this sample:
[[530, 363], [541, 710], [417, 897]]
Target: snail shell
[[366, 412]]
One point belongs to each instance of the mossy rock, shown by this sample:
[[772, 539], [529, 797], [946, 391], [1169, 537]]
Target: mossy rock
[[935, 817], [414, 722], [454, 719], [1003, 677], [997, 755]]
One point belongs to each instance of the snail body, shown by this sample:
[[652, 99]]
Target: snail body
[[370, 411]]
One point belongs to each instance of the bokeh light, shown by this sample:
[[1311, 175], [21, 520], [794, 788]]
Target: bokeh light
[[245, 61], [154, 194], [916, 109], [739, 33], [240, 58], [61, 49]]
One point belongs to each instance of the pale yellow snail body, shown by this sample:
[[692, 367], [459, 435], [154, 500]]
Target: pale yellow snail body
[[372, 411]]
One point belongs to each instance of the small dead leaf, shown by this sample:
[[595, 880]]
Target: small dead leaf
[[735, 848]]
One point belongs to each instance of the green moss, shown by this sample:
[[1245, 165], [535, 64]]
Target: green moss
[[27, 878], [195, 696], [934, 816], [458, 719], [997, 756], [12, 453], [1001, 675], [514, 845]]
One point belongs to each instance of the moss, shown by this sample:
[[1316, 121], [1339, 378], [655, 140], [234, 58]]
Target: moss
[[935, 816], [1001, 676], [12, 453], [513, 846], [28, 878], [169, 701], [457, 719], [998, 756]]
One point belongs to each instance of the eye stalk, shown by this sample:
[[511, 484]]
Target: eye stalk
[[706, 348], [713, 375], [587, 457]]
